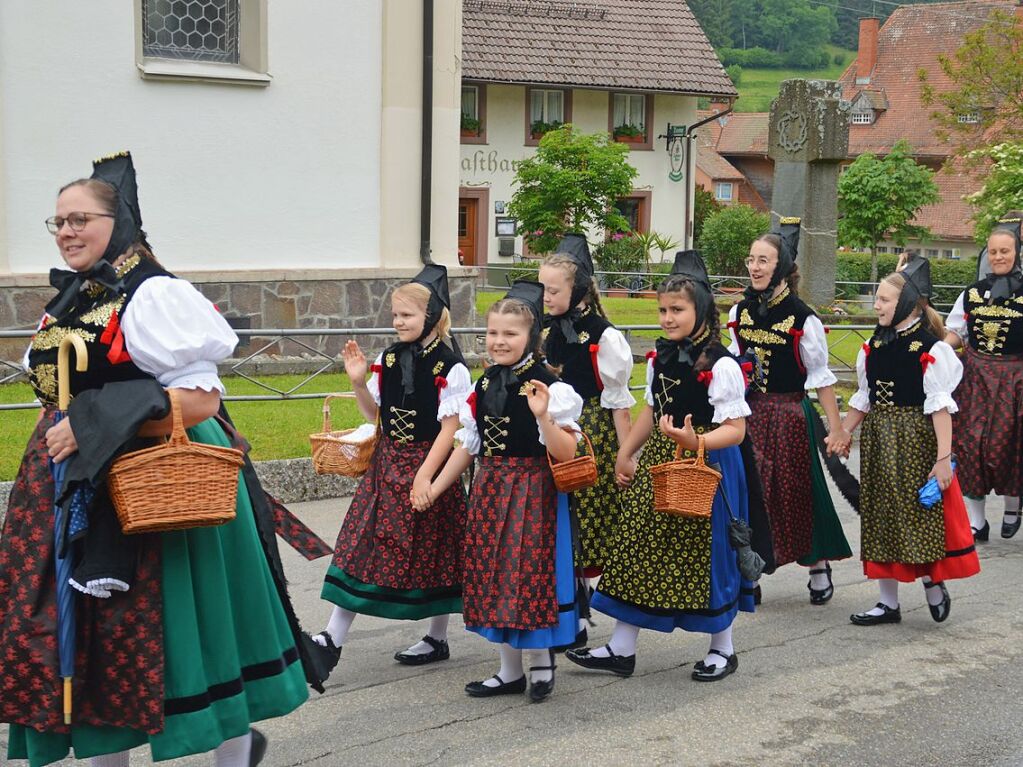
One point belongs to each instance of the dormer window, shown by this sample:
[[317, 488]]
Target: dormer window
[[862, 118], [968, 118]]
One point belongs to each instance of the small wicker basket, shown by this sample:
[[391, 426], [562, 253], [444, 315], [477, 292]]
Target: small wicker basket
[[576, 474], [685, 487], [331, 455], [177, 485]]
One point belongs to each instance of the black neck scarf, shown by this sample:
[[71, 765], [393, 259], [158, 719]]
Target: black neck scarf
[[917, 272], [501, 378], [686, 351], [69, 285], [561, 333]]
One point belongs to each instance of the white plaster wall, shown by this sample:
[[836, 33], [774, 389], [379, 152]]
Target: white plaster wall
[[230, 176], [491, 165]]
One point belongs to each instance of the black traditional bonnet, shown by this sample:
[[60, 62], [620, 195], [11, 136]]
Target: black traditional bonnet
[[788, 233], [917, 273], [1002, 286]]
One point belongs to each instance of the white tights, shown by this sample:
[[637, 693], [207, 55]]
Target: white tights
[[230, 753]]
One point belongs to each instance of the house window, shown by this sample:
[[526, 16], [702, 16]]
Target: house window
[[546, 109], [630, 116], [474, 114], [200, 31], [932, 252], [723, 191], [897, 251], [968, 118], [947, 253], [202, 40], [882, 248], [636, 210], [862, 118]]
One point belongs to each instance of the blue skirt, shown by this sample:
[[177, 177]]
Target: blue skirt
[[688, 592], [568, 612]]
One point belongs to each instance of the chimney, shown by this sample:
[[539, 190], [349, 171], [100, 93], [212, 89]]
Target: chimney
[[866, 56]]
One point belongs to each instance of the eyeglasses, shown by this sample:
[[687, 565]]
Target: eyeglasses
[[76, 221], [758, 261]]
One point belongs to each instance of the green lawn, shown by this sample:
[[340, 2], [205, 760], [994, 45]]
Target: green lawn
[[281, 429], [758, 87]]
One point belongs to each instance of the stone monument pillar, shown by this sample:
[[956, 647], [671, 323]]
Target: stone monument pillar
[[808, 138]]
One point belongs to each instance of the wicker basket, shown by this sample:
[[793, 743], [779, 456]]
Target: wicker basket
[[685, 487], [576, 474], [177, 485], [331, 455]]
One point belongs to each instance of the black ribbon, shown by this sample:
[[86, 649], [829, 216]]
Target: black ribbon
[[69, 284], [684, 350], [562, 332]]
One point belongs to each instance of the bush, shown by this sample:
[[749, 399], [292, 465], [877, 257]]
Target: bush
[[727, 235], [759, 58], [735, 73], [839, 59], [704, 207], [855, 267], [526, 269], [619, 254], [807, 58]]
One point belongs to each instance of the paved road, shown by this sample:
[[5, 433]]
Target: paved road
[[811, 688]]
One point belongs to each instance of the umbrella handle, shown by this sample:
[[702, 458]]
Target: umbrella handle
[[81, 365], [67, 700]]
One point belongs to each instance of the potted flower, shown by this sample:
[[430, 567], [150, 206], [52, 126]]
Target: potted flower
[[538, 127], [470, 126], [629, 133]]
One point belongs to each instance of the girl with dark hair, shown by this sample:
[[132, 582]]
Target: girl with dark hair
[[667, 572], [904, 401], [790, 352], [987, 323], [519, 586]]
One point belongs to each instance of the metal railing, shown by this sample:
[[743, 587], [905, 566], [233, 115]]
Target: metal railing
[[265, 339]]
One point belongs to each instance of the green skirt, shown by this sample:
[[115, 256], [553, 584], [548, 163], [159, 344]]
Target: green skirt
[[229, 655], [599, 508]]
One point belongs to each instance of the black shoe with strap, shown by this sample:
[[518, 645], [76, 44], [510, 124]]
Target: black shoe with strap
[[1009, 529], [941, 610], [981, 534], [257, 750], [888, 615], [483, 690], [332, 649], [821, 596], [539, 691], [581, 638], [704, 673], [623, 665], [440, 651]]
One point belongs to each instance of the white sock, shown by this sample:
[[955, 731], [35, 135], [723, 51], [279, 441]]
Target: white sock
[[541, 658], [234, 752], [818, 581], [582, 624], [722, 642], [623, 641], [889, 588], [1011, 504], [120, 759], [438, 630], [934, 596], [338, 625], [511, 666], [975, 509]]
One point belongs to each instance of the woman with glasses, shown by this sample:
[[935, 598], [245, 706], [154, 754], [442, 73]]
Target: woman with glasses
[[789, 351], [183, 638]]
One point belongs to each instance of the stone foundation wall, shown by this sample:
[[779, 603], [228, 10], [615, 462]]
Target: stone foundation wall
[[358, 298]]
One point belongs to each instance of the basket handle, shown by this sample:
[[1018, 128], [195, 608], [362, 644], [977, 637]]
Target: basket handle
[[589, 444], [701, 449], [177, 435], [326, 411]]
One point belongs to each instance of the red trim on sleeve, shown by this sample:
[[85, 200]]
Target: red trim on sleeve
[[796, 336], [594, 348], [734, 324], [471, 401], [826, 329], [652, 354], [114, 338], [378, 369], [866, 349], [705, 377], [747, 371], [925, 360], [441, 383]]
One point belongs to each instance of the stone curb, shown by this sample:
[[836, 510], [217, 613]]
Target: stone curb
[[291, 480]]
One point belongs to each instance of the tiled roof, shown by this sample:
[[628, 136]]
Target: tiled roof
[[741, 133], [911, 40], [717, 167], [651, 45], [950, 218]]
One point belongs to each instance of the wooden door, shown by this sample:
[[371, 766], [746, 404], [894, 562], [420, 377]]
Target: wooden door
[[467, 210]]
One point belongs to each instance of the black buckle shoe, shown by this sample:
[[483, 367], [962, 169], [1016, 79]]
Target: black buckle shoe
[[1011, 528], [257, 750], [981, 535], [440, 651], [758, 595], [623, 665], [821, 596], [704, 673], [890, 615], [333, 650], [539, 691], [480, 690], [941, 610]]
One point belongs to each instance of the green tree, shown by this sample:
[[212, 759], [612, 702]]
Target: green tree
[[878, 198], [704, 205], [985, 102], [569, 185], [727, 235], [796, 25], [717, 18], [1003, 186]]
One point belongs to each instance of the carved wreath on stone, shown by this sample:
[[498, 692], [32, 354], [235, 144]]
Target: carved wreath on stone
[[792, 131]]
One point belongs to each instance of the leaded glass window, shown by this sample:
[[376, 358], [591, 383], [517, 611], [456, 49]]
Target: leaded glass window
[[200, 30]]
